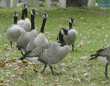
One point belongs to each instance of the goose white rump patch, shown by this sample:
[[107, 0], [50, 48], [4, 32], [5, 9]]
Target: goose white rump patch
[[102, 59], [35, 60]]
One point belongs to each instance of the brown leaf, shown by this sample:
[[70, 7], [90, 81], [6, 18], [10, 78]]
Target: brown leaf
[[85, 20], [13, 60], [98, 26], [24, 62], [27, 84], [35, 71], [2, 63], [96, 10], [68, 67], [76, 50]]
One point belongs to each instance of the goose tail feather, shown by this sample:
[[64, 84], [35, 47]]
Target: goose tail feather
[[94, 56]]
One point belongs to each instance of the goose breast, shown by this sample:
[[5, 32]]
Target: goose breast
[[14, 32], [72, 37]]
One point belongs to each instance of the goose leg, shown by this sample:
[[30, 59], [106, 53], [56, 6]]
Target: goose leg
[[44, 68], [106, 73], [22, 52], [73, 47], [53, 71], [11, 44]]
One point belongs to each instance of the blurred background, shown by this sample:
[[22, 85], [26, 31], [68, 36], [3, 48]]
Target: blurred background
[[55, 3]]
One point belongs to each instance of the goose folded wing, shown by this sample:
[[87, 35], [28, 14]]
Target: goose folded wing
[[53, 54], [40, 49]]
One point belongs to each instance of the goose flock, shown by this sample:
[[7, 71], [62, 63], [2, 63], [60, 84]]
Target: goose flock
[[36, 47]]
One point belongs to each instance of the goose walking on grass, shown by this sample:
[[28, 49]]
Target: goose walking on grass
[[24, 39], [70, 40], [40, 39], [47, 54], [103, 55], [14, 31], [25, 24]]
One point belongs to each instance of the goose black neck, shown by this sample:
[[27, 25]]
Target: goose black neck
[[32, 22], [70, 25], [26, 14], [15, 20], [22, 17], [43, 25]]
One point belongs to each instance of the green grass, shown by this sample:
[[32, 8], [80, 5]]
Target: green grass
[[93, 34]]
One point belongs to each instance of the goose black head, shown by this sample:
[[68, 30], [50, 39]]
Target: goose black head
[[44, 15], [64, 31], [72, 20], [15, 14], [25, 6], [33, 12]]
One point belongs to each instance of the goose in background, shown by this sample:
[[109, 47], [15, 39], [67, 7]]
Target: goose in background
[[24, 39], [70, 40], [25, 24], [103, 55], [40, 39], [47, 54], [14, 31], [21, 22]]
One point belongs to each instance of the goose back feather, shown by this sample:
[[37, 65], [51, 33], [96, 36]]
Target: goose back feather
[[71, 38], [50, 53]]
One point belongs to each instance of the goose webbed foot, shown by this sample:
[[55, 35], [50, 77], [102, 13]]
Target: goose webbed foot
[[106, 75], [53, 72]]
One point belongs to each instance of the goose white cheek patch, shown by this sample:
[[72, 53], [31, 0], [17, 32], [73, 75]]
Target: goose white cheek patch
[[70, 21], [43, 16], [32, 13], [62, 32]]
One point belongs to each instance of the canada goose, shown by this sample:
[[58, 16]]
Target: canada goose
[[103, 55], [21, 22], [70, 40], [40, 39], [25, 24], [47, 54], [24, 39], [14, 31]]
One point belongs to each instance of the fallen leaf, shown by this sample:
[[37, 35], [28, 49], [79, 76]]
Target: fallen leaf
[[35, 71], [76, 50]]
